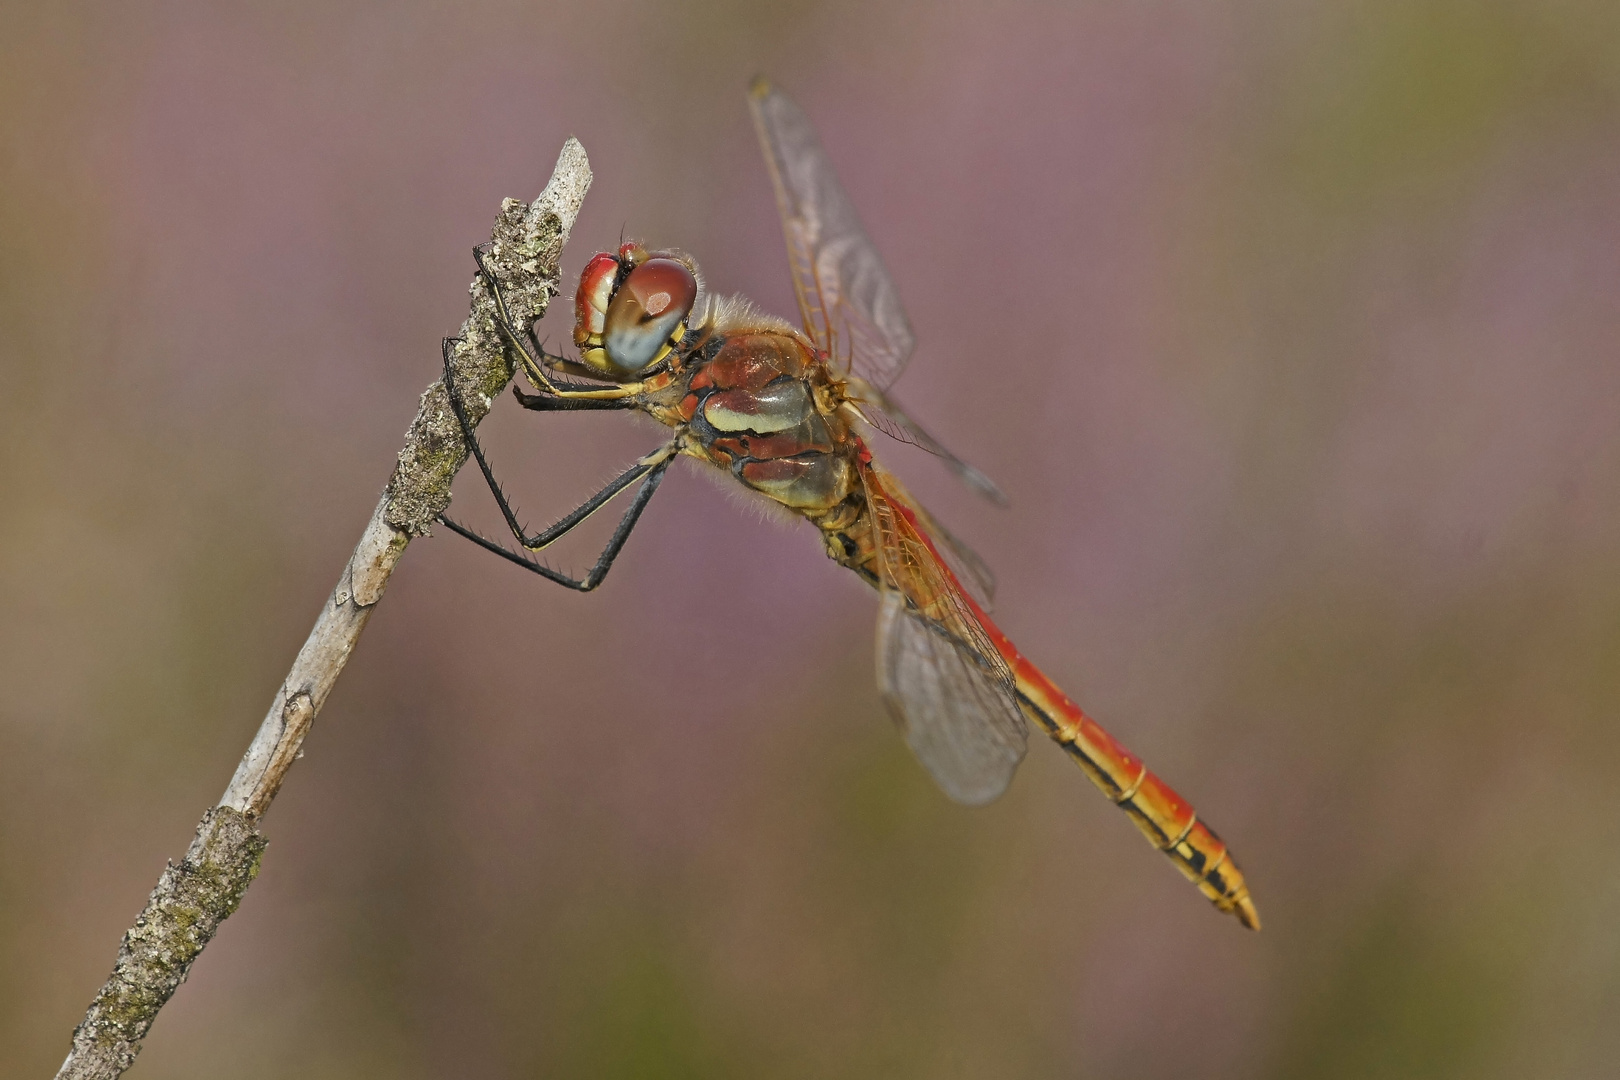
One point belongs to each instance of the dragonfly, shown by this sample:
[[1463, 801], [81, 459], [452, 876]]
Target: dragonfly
[[789, 412]]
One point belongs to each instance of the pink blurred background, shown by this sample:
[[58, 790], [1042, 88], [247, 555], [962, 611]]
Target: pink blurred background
[[1289, 329]]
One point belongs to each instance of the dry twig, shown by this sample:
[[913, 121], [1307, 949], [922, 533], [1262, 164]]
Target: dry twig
[[193, 898]]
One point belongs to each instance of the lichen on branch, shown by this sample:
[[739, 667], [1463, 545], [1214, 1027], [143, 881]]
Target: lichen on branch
[[185, 909]]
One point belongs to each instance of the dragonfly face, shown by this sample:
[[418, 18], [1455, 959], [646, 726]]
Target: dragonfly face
[[787, 411], [631, 309]]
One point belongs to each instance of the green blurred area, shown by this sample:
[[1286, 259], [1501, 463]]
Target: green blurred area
[[1289, 328]]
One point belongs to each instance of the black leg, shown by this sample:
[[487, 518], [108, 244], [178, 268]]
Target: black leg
[[521, 345], [563, 365], [552, 403], [604, 561], [652, 468], [517, 342], [540, 350], [555, 361], [503, 321]]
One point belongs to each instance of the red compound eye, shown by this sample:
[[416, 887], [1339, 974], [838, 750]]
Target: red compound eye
[[596, 283], [660, 285], [647, 310]]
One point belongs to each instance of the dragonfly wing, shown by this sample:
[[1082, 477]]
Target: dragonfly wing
[[954, 715], [847, 299], [948, 687], [969, 568], [881, 411], [970, 572]]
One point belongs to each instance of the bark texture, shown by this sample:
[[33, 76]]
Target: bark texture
[[193, 898], [180, 918]]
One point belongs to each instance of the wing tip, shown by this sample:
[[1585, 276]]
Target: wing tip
[[985, 487], [760, 88], [980, 795]]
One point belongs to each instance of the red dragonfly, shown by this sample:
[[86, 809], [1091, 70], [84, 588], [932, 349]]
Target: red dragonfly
[[786, 410]]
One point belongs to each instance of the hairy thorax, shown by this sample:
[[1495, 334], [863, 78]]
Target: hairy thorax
[[758, 403]]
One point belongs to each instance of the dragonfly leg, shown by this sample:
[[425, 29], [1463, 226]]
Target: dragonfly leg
[[604, 562], [527, 360], [649, 469], [503, 322], [553, 403], [539, 350]]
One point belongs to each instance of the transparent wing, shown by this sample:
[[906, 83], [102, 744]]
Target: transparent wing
[[949, 689], [881, 411], [972, 573], [953, 715], [847, 300]]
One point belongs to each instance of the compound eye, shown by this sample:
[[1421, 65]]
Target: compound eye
[[649, 309], [596, 284]]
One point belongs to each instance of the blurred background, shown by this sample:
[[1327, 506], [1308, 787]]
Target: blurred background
[[1289, 329]]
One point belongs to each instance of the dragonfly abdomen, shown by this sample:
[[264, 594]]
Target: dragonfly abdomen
[[1165, 818]]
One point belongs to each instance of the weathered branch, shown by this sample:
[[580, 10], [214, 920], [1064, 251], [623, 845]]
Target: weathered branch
[[193, 898]]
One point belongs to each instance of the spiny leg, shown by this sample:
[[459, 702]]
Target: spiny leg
[[556, 361], [539, 349], [531, 366], [652, 467], [604, 562], [503, 321], [552, 403], [657, 461], [467, 435], [591, 505]]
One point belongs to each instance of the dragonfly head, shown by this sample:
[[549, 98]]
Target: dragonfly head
[[631, 309]]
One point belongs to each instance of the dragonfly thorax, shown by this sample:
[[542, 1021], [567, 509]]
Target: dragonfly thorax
[[631, 309], [757, 402]]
